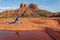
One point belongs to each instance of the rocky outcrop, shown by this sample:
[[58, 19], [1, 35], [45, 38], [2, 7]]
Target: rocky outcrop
[[33, 6], [24, 11], [8, 13], [23, 5], [31, 10]]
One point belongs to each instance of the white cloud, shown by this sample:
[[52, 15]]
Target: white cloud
[[7, 8]]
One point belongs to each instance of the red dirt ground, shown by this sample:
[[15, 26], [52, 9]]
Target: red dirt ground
[[30, 24]]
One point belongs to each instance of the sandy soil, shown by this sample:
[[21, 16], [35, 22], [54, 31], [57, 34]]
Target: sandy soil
[[30, 24]]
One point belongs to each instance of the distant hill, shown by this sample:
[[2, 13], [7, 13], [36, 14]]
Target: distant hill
[[31, 10]]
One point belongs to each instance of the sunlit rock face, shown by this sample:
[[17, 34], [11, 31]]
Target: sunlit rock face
[[25, 10], [33, 6], [23, 5]]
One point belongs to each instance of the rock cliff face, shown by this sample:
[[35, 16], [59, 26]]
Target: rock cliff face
[[8, 13], [33, 6], [23, 11], [31, 10]]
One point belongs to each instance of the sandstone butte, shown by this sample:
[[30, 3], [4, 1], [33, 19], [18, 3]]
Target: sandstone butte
[[24, 11], [50, 25]]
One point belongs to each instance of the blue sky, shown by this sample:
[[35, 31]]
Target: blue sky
[[50, 5]]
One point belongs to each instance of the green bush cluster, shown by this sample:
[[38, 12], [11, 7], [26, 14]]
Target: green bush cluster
[[41, 14], [7, 17]]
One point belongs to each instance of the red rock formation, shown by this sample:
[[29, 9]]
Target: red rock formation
[[33, 6], [23, 5], [23, 11]]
